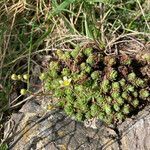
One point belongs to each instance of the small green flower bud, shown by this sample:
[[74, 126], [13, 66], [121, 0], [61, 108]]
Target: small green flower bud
[[95, 85], [26, 76], [116, 107], [109, 119], [146, 57], [105, 83], [109, 60], [115, 94], [107, 109], [75, 52], [144, 93], [113, 75], [125, 95], [95, 75], [59, 53], [68, 91], [67, 55], [69, 98], [90, 60], [135, 103], [94, 110], [42, 76], [55, 84], [108, 99], [131, 76], [88, 115], [122, 82], [139, 82], [101, 57], [19, 77], [135, 94], [14, 77], [47, 86], [65, 72], [79, 116], [130, 88], [88, 69], [54, 65], [88, 51], [120, 100], [105, 86], [125, 60], [82, 75], [84, 107], [95, 94], [83, 66], [78, 88], [60, 104], [75, 77], [129, 99], [53, 73], [115, 86], [101, 116], [120, 116], [23, 91], [100, 99], [58, 93], [68, 108], [76, 104], [126, 109]]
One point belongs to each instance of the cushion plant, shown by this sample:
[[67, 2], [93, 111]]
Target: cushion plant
[[88, 84]]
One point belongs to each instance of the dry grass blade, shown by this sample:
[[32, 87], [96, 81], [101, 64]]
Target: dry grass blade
[[142, 11], [26, 99]]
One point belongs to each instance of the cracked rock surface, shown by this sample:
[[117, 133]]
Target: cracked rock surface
[[37, 129], [135, 134]]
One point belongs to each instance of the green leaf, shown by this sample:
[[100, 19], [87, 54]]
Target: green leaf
[[94, 110], [4, 147], [59, 8], [87, 31]]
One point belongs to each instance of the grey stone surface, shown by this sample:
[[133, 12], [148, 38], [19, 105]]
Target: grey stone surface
[[38, 129], [135, 133], [51, 130]]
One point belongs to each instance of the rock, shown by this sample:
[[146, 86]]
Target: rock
[[135, 133], [38, 129]]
